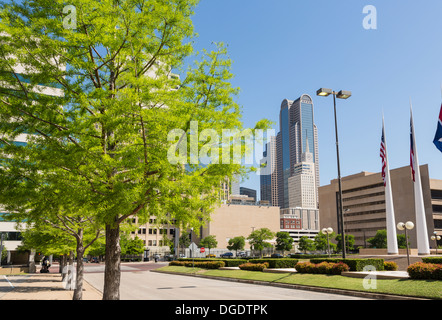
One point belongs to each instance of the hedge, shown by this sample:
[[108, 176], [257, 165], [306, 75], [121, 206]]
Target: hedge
[[437, 260], [199, 264], [354, 264], [322, 268], [390, 266], [227, 262], [277, 262], [254, 266], [425, 271]]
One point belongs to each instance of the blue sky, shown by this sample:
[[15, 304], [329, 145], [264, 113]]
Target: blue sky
[[284, 48]]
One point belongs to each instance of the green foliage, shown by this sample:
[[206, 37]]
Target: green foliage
[[380, 240], [199, 264], [306, 244], [254, 266], [277, 263], [321, 242], [237, 243], [349, 242], [258, 239], [354, 264], [208, 242], [436, 260], [131, 246], [284, 242]]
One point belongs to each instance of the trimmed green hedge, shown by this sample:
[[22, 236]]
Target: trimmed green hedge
[[227, 262], [354, 264], [322, 268], [199, 264], [437, 260], [277, 262]]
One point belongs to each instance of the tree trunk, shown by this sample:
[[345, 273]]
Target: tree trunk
[[112, 272], [78, 292]]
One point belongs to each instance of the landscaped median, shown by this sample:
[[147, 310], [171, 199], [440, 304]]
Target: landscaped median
[[317, 280]]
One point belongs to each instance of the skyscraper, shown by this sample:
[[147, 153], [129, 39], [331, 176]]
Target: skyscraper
[[297, 133]]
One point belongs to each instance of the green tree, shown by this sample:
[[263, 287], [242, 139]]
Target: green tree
[[380, 240], [116, 138], [306, 244], [208, 242], [131, 246], [184, 240], [237, 243], [349, 242], [284, 242], [258, 239], [321, 242]]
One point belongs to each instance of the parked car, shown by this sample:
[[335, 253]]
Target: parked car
[[227, 255], [277, 255], [210, 255], [242, 254]]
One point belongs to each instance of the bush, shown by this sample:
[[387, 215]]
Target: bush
[[339, 267], [304, 267], [199, 264], [322, 268], [277, 263], [390, 266], [421, 270], [436, 260], [354, 264], [254, 266]]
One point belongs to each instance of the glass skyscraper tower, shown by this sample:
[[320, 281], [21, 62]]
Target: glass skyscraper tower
[[297, 126]]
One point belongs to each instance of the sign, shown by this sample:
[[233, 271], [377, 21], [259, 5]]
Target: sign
[[193, 247], [202, 250]]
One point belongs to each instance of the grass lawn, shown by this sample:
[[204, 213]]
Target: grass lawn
[[418, 288]]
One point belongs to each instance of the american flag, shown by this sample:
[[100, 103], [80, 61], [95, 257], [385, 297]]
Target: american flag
[[438, 137], [412, 151], [383, 156]]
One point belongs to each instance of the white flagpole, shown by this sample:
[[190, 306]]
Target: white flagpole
[[423, 245], [392, 246]]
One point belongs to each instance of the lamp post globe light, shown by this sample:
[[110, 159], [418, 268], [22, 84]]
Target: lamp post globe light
[[435, 237], [406, 226], [328, 231], [324, 92]]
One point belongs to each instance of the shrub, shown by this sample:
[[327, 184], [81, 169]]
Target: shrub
[[277, 263], [437, 260], [254, 266], [323, 267], [354, 264], [339, 267], [304, 267], [199, 264], [390, 266], [421, 270]]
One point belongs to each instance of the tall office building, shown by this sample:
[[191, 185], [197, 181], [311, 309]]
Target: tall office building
[[268, 178], [298, 132]]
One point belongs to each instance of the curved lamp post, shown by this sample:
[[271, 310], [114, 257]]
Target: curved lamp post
[[406, 226], [328, 231], [323, 92]]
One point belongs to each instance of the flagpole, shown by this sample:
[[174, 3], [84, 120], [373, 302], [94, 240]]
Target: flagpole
[[423, 245], [392, 246]]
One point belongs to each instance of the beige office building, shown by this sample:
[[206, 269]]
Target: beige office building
[[231, 220], [364, 204]]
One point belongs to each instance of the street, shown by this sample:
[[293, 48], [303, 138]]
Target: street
[[138, 283]]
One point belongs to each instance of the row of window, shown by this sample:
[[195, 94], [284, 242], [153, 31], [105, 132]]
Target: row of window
[[154, 231]]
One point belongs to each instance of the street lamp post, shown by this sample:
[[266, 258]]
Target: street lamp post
[[406, 226], [323, 92], [328, 231], [435, 237]]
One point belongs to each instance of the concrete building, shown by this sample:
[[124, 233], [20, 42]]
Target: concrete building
[[269, 177], [364, 204], [229, 221]]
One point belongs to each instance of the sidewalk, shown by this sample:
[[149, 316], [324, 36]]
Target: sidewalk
[[41, 286]]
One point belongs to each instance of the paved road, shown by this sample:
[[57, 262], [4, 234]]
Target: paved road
[[138, 283]]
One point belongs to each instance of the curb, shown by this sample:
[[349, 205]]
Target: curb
[[354, 293]]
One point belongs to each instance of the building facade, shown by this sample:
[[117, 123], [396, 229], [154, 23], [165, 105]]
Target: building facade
[[363, 196]]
